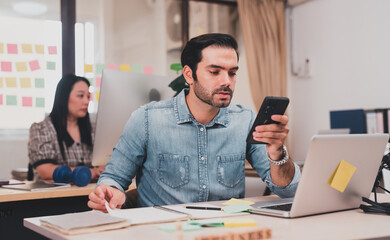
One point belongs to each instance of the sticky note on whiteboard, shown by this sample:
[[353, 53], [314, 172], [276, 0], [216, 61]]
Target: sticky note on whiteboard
[[341, 176]]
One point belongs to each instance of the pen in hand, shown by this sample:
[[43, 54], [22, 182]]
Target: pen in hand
[[203, 208]]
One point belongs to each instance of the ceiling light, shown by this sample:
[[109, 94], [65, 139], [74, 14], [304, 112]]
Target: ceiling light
[[29, 8]]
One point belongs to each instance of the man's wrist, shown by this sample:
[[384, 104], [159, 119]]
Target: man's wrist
[[284, 157]]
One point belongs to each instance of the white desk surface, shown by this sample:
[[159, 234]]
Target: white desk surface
[[9, 195], [352, 224]]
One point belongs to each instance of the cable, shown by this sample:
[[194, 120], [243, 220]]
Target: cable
[[375, 207]]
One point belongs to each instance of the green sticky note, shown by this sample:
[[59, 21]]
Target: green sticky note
[[214, 222], [50, 65], [341, 176], [90, 80], [237, 208], [40, 102], [185, 227], [10, 100], [39, 83], [99, 68], [136, 68]]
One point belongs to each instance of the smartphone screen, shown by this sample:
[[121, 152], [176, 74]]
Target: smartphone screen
[[270, 106]]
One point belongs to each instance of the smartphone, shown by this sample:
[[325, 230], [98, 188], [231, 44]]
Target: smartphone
[[270, 106]]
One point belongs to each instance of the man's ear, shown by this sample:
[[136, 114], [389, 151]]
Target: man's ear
[[187, 74]]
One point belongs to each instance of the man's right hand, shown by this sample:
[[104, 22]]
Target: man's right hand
[[103, 193]]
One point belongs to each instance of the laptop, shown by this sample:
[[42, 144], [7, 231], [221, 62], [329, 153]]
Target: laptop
[[314, 195]]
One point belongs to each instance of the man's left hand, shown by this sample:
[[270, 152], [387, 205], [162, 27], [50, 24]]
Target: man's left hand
[[274, 135]]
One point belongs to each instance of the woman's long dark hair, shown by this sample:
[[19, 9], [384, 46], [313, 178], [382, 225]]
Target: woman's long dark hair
[[59, 113]]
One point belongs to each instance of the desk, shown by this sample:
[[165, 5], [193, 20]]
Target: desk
[[16, 205], [352, 224]]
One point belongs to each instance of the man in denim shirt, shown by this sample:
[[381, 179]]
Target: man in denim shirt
[[192, 148]]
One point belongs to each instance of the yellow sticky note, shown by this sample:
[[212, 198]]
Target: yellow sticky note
[[239, 222], [88, 68], [124, 67], [97, 96], [21, 66], [39, 49], [10, 82], [233, 201], [25, 83], [27, 48], [1, 47], [1, 82], [341, 176]]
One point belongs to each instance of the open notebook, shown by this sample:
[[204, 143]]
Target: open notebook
[[169, 213]]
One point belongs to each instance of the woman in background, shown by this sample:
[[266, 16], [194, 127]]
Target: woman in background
[[65, 136]]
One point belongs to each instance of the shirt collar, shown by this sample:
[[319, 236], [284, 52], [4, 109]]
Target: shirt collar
[[183, 114]]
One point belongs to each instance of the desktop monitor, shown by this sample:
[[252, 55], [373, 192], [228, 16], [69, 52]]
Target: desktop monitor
[[121, 93]]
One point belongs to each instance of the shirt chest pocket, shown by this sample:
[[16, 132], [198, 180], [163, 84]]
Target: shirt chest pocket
[[173, 170], [231, 169]]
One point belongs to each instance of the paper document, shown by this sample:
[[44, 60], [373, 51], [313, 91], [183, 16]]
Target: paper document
[[168, 213]]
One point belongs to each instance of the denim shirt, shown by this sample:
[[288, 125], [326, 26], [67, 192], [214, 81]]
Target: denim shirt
[[178, 160]]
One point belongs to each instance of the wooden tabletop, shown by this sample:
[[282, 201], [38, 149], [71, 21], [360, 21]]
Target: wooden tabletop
[[8, 195]]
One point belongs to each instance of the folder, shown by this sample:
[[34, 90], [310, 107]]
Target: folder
[[353, 119]]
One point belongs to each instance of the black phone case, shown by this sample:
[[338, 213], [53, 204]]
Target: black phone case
[[270, 106]]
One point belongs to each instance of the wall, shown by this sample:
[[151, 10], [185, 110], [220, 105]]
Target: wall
[[347, 43]]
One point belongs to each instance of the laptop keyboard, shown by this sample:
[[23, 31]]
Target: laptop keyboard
[[282, 207]]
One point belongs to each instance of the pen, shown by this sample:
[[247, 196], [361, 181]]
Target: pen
[[204, 208]]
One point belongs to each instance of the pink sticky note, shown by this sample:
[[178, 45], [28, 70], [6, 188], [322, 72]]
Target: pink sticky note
[[34, 65], [112, 66], [1, 99], [12, 48], [90, 96], [148, 69], [52, 50], [98, 81], [27, 101], [6, 66]]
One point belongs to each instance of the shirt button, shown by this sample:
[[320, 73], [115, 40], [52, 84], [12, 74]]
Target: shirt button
[[204, 186], [202, 158], [201, 129]]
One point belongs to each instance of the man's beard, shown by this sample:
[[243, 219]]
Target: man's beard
[[204, 95]]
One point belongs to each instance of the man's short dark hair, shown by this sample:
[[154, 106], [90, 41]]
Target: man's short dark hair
[[192, 52]]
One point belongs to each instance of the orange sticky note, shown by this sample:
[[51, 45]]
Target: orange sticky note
[[52, 50], [88, 68], [10, 82], [98, 81], [124, 67], [27, 101], [341, 176], [21, 66], [25, 83], [34, 65], [39, 49], [12, 48], [148, 69], [6, 66], [112, 66], [27, 48]]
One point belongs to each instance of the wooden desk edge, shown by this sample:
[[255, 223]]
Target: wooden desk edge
[[8, 195]]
